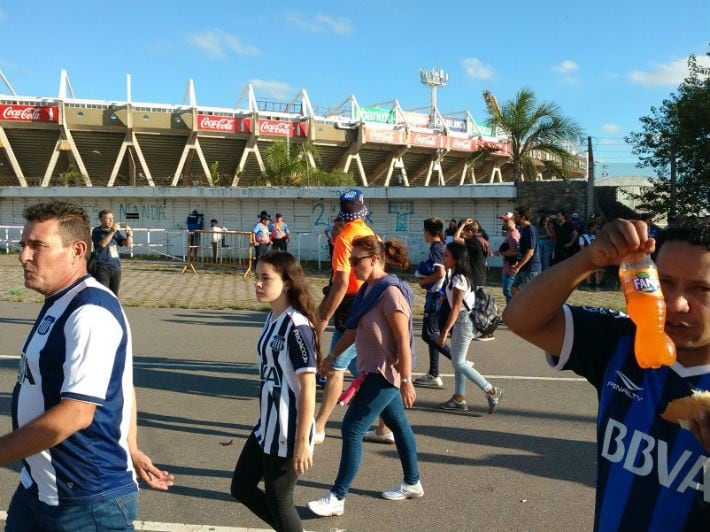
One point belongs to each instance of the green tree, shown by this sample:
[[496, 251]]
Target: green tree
[[287, 166], [675, 144], [534, 129]]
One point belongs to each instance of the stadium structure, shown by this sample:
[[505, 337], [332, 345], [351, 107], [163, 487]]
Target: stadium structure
[[46, 141]]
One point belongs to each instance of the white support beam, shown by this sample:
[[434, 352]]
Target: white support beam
[[52, 163], [118, 161], [141, 159], [10, 155]]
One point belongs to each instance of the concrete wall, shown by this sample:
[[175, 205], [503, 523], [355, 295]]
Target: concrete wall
[[394, 212]]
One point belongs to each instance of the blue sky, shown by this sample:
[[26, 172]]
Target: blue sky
[[605, 63]]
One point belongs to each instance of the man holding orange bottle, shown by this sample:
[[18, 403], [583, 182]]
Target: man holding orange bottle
[[652, 473]]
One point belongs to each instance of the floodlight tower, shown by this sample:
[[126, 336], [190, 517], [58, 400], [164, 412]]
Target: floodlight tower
[[433, 78]]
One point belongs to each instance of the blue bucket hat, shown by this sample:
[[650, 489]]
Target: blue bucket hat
[[352, 206]]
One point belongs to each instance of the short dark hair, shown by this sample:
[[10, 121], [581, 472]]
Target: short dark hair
[[434, 226], [104, 212], [694, 231], [73, 220], [523, 212]]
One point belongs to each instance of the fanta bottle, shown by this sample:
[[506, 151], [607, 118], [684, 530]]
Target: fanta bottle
[[647, 309]]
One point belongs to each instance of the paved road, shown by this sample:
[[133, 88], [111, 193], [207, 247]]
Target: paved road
[[528, 467]]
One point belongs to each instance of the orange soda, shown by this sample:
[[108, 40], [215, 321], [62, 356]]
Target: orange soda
[[647, 309]]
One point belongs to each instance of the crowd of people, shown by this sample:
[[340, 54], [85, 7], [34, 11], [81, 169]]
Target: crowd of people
[[77, 436]]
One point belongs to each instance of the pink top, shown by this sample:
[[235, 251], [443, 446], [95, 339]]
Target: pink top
[[375, 343]]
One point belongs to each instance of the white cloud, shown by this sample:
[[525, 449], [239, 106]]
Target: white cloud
[[275, 89], [610, 128], [322, 24], [665, 74], [217, 43], [566, 67], [476, 69]]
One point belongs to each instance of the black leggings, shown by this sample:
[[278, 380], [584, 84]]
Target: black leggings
[[274, 505]]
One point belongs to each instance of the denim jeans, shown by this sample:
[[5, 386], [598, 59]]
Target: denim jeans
[[461, 336], [507, 285], [375, 397], [28, 514], [347, 359], [430, 335]]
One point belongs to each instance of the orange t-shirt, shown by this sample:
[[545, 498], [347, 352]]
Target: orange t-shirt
[[342, 248]]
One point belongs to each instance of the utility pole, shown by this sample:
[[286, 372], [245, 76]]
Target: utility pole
[[590, 177], [674, 180]]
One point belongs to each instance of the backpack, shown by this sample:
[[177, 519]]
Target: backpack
[[485, 312]]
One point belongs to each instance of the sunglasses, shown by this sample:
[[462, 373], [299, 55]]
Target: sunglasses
[[354, 261]]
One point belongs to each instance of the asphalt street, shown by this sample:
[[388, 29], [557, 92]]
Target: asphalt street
[[531, 466]]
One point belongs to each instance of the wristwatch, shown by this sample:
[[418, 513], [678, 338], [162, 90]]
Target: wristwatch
[[402, 381]]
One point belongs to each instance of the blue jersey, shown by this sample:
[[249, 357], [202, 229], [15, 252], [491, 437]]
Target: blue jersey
[[108, 256], [650, 473], [285, 348], [80, 349]]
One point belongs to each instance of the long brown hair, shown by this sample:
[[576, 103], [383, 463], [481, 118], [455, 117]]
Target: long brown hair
[[298, 294], [393, 251]]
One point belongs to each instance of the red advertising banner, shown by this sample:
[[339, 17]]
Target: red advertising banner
[[220, 124], [244, 125], [457, 144], [281, 128], [426, 140], [29, 113], [385, 136]]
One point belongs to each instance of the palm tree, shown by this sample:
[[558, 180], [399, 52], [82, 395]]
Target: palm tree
[[533, 130]]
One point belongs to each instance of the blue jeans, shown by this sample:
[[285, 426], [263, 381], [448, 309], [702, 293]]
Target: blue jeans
[[430, 334], [376, 397], [507, 285], [347, 359], [461, 336], [28, 514]]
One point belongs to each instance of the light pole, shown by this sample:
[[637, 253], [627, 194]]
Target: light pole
[[433, 79]]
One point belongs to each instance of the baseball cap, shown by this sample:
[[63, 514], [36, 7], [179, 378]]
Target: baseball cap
[[507, 216], [352, 206], [575, 216]]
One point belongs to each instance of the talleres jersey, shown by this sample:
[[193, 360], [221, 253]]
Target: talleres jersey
[[285, 348], [79, 349], [652, 475]]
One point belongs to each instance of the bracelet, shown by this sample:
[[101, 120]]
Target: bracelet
[[405, 381]]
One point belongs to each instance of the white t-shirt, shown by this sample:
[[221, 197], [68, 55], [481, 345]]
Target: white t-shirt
[[461, 283], [216, 230]]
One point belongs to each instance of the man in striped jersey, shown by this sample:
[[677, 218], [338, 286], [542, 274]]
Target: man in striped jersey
[[73, 406], [651, 474]]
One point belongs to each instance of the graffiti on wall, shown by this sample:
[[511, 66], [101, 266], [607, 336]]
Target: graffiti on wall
[[152, 212], [323, 217], [402, 210]]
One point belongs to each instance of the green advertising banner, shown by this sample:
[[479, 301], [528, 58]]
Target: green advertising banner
[[375, 114]]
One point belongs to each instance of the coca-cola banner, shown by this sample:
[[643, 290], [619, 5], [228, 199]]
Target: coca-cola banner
[[223, 124], [220, 124], [279, 128], [29, 113], [426, 140], [385, 136], [457, 144]]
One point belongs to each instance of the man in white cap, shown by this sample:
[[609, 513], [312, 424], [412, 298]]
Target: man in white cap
[[339, 298]]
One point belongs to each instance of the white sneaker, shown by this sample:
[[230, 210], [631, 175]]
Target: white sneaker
[[318, 437], [404, 491], [429, 381], [372, 436], [327, 505]]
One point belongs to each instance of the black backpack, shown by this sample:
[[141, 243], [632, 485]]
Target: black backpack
[[485, 313]]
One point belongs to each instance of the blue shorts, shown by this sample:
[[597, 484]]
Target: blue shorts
[[346, 360]]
